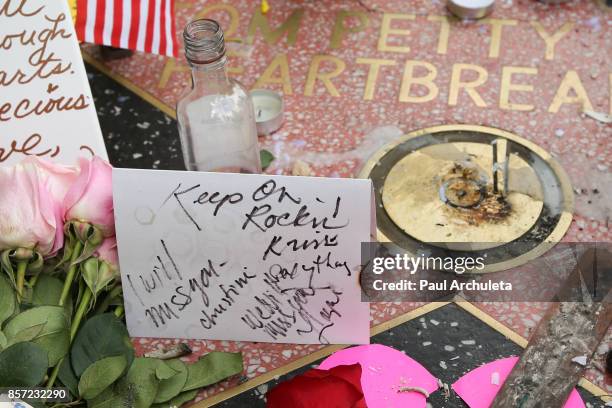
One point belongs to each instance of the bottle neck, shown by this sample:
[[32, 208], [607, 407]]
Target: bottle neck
[[214, 72]]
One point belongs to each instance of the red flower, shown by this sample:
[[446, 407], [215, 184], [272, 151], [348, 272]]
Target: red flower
[[338, 387]]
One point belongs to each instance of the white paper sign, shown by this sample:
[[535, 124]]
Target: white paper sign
[[46, 107], [242, 257]]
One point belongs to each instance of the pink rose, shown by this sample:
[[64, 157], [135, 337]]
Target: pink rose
[[102, 269], [90, 199], [108, 252], [57, 178], [29, 215]]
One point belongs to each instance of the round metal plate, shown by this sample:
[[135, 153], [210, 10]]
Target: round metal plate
[[407, 174], [411, 196]]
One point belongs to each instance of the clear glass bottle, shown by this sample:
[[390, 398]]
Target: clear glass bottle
[[215, 116]]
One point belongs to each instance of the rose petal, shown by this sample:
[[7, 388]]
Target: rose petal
[[476, 390], [90, 199], [385, 371], [338, 387], [57, 178], [29, 213], [108, 252]]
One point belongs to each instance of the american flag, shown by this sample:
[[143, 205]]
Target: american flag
[[142, 25]]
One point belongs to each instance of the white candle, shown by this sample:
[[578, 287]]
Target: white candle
[[471, 9], [268, 106]]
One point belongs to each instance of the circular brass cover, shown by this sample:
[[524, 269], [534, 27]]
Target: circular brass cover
[[411, 196], [409, 205]]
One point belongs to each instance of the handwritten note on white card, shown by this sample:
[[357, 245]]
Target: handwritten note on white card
[[242, 257], [46, 106]]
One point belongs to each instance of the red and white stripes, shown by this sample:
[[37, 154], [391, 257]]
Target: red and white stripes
[[142, 25]]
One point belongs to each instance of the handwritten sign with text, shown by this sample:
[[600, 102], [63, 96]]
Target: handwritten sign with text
[[46, 107], [242, 257]]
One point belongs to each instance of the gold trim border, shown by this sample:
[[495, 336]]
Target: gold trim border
[[147, 96], [565, 218]]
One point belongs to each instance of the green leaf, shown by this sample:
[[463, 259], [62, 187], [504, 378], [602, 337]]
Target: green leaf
[[67, 377], [96, 274], [108, 398], [178, 401], [164, 371], [47, 292], [91, 236], [7, 265], [172, 386], [35, 264], [27, 334], [266, 158], [100, 375], [101, 336], [137, 389], [3, 341], [212, 368], [117, 395], [54, 336], [8, 300], [112, 298], [69, 241], [142, 380], [23, 365]]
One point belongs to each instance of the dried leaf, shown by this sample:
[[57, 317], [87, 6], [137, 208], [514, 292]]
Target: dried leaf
[[301, 168]]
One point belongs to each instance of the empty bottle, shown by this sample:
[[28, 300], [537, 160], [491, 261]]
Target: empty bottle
[[215, 116]]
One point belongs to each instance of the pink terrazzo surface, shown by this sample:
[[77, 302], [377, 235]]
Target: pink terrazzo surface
[[336, 134]]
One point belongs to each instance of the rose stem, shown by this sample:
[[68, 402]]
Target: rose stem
[[21, 270], [71, 271], [102, 306], [54, 374], [81, 310], [33, 280]]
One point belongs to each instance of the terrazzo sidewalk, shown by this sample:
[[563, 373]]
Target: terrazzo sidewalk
[[336, 134]]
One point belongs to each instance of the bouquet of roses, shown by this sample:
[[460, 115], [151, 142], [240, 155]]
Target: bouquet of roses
[[61, 305]]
